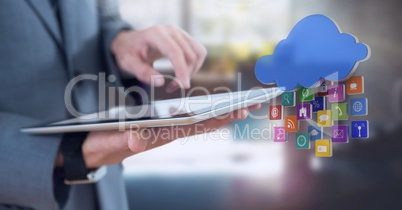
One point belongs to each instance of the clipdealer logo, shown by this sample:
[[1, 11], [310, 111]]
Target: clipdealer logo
[[111, 109]]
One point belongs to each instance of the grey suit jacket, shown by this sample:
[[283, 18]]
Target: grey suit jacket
[[37, 60]]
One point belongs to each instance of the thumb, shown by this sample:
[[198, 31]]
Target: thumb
[[139, 141]]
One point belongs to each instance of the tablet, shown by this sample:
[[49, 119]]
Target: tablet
[[172, 112]]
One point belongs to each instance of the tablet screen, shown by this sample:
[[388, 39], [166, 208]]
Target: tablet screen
[[173, 108]]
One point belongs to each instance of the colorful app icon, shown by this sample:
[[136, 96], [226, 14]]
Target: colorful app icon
[[275, 112], [315, 132], [358, 106], [339, 111], [304, 111], [288, 99], [355, 85], [302, 141], [291, 124], [360, 129], [318, 104], [323, 148], [279, 134], [323, 89], [336, 93], [306, 94], [340, 134], [324, 118]]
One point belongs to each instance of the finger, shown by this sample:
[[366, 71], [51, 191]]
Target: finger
[[253, 107], [143, 71], [198, 48], [149, 138], [189, 53], [239, 114], [170, 133], [173, 86], [215, 123], [160, 39], [194, 66], [137, 140]]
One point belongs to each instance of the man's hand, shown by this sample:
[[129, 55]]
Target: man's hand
[[111, 147], [135, 52]]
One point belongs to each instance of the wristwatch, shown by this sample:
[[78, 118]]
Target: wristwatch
[[75, 170]]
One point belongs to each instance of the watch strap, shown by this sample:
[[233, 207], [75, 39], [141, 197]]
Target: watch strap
[[73, 159]]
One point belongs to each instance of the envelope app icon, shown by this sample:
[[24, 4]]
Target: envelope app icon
[[340, 133]]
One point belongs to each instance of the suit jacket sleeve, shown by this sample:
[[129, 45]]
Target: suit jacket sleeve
[[111, 25], [26, 163]]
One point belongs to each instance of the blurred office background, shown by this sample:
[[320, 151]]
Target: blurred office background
[[206, 173]]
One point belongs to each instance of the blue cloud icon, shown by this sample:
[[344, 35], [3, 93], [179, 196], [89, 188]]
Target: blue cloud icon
[[314, 50]]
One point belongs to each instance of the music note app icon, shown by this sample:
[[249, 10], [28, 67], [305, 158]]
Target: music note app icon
[[279, 134], [291, 123]]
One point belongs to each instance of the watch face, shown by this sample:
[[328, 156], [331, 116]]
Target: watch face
[[91, 177]]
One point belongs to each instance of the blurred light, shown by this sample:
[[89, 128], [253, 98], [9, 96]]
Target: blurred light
[[315, 163], [143, 14], [203, 156]]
